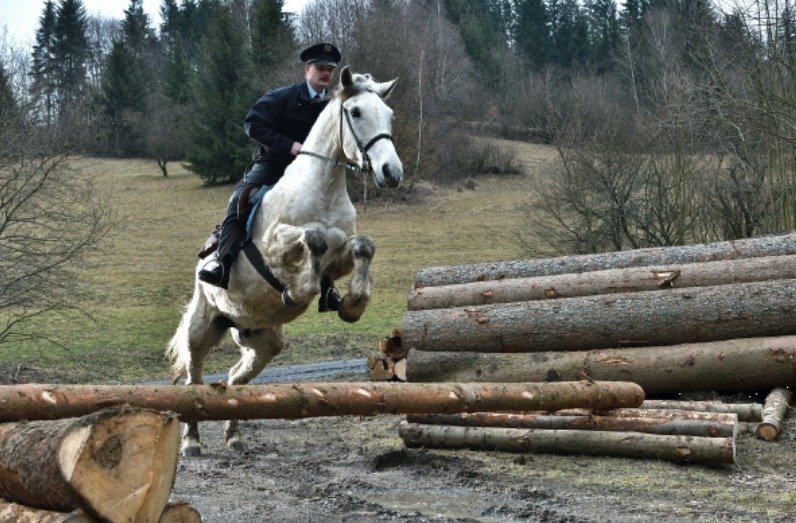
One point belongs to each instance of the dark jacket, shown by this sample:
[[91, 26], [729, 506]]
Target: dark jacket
[[278, 119]]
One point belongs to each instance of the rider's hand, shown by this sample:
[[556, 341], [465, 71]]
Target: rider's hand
[[295, 149]]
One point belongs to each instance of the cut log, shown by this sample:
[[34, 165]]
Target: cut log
[[687, 449], [611, 320], [731, 365], [604, 282], [744, 411], [643, 413], [117, 465], [380, 368], [722, 425], [15, 513], [728, 250], [305, 400], [774, 411], [180, 512], [392, 347], [400, 369]]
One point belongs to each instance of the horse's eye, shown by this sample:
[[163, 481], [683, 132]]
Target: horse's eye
[[355, 112]]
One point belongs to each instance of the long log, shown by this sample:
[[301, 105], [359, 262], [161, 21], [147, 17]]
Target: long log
[[304, 400], [117, 465], [775, 409], [609, 281], [727, 250], [722, 425], [730, 365], [687, 449], [11, 512], [612, 320], [744, 411]]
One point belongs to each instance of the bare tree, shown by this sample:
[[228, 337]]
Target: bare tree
[[51, 220]]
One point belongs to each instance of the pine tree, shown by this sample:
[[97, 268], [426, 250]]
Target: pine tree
[[479, 25], [532, 32], [217, 149], [71, 53], [43, 88], [121, 95], [170, 16], [8, 104], [270, 32], [604, 33]]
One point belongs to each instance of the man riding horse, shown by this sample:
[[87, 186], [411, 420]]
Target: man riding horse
[[279, 122]]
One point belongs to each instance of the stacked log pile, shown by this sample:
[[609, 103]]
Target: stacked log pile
[[111, 465], [719, 316]]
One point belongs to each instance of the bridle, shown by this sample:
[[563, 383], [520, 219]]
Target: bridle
[[363, 148]]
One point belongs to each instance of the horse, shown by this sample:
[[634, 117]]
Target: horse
[[304, 229]]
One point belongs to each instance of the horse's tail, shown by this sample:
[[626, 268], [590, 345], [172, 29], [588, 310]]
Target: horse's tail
[[174, 350]]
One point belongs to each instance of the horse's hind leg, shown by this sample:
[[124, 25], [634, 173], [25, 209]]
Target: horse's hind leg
[[199, 330], [257, 348], [356, 300]]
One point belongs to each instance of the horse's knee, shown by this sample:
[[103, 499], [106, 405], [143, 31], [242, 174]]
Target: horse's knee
[[364, 248], [316, 242]]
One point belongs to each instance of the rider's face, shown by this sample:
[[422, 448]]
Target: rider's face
[[319, 76]]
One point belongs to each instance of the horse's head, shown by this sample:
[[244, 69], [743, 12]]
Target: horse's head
[[367, 127]]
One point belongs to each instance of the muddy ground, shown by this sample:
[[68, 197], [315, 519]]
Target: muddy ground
[[357, 469]]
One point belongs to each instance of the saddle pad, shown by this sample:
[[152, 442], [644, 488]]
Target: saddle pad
[[254, 201]]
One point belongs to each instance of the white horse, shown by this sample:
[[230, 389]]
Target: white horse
[[304, 229]]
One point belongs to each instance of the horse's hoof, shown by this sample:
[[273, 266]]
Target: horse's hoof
[[191, 451], [237, 446], [341, 313]]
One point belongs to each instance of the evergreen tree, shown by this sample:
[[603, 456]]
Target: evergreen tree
[[176, 77], [170, 16], [8, 104], [217, 148], [569, 33], [71, 53], [121, 95], [532, 32], [270, 32], [479, 25], [43, 88], [604, 33]]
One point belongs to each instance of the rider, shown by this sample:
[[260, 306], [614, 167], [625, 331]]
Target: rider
[[279, 122]]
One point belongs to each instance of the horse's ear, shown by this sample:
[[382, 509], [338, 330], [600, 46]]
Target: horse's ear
[[346, 78], [384, 89]]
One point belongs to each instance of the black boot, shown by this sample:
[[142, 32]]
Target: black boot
[[216, 272], [329, 300]]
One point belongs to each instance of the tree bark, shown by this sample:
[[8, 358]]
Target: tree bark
[[304, 400], [117, 465], [11, 512], [744, 411], [180, 512], [624, 444], [731, 365], [728, 250], [611, 320], [721, 425], [774, 411], [609, 281]]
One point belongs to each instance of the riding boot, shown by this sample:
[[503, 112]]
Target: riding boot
[[216, 270], [329, 300]]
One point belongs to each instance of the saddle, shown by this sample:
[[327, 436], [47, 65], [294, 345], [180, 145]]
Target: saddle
[[250, 199]]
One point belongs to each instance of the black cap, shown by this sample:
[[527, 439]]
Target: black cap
[[321, 54]]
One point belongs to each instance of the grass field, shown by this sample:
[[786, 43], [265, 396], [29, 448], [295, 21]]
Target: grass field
[[145, 276]]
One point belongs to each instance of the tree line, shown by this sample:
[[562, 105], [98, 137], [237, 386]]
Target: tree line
[[673, 120]]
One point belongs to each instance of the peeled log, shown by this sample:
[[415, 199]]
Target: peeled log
[[307, 400], [730, 365], [15, 513], [774, 411], [117, 465], [728, 250], [686, 449], [721, 425], [744, 411], [612, 320], [604, 282]]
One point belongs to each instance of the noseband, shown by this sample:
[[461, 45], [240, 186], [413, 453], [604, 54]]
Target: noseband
[[363, 148]]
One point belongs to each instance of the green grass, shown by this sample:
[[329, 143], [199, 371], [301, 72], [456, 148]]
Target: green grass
[[144, 278]]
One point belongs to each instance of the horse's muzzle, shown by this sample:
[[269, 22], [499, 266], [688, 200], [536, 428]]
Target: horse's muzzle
[[391, 179]]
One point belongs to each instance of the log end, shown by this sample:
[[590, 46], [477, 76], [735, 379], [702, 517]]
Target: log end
[[123, 465], [180, 512], [767, 431]]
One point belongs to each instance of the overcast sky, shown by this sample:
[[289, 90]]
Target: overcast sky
[[21, 17]]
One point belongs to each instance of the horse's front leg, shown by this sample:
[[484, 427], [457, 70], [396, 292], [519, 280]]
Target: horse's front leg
[[257, 348], [356, 300]]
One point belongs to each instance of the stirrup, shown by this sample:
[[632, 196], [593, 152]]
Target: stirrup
[[330, 301]]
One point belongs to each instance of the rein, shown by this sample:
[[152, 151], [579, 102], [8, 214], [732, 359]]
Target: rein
[[363, 149]]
